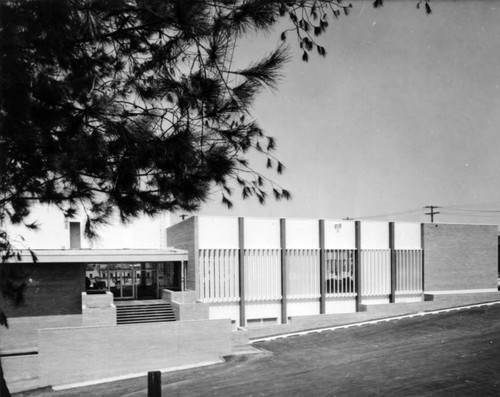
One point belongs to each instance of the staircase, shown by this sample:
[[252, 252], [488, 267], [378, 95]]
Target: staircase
[[151, 312]]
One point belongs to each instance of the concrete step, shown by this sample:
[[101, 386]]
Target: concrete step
[[135, 320], [160, 310], [143, 308], [143, 321], [155, 316], [134, 306]]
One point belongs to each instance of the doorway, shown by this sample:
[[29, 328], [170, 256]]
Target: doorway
[[122, 281], [124, 284], [144, 280]]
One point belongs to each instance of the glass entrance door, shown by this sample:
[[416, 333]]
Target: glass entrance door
[[122, 283], [131, 281]]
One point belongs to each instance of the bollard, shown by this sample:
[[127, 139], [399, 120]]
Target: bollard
[[154, 384]]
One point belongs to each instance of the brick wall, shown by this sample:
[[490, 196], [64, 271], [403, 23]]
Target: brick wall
[[459, 257], [183, 235], [54, 289]]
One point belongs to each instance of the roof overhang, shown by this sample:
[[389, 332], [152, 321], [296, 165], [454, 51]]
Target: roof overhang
[[104, 255]]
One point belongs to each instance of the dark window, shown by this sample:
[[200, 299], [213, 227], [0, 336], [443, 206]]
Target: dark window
[[74, 235]]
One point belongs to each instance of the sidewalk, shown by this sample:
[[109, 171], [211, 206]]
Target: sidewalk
[[372, 312]]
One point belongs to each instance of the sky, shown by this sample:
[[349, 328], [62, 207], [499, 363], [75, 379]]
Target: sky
[[402, 113]]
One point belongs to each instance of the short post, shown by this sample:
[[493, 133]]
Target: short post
[[154, 384]]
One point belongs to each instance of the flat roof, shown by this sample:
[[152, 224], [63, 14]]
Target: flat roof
[[104, 255]]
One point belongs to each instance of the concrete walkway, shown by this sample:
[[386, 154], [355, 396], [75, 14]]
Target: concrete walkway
[[373, 312]]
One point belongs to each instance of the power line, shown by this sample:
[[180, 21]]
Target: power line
[[474, 204], [389, 214], [468, 215], [432, 213], [470, 210]]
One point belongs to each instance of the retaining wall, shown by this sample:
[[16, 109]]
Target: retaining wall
[[82, 354], [22, 334]]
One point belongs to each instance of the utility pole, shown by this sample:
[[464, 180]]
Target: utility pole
[[432, 213]]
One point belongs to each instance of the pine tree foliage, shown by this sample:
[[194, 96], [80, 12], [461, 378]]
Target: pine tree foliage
[[135, 105], [128, 104]]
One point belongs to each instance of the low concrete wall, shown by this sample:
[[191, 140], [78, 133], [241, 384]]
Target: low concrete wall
[[340, 305], [302, 307], [99, 316], [239, 338], [179, 296], [98, 309], [22, 334], [74, 355], [21, 372], [190, 311], [99, 300], [185, 305], [225, 310], [409, 298]]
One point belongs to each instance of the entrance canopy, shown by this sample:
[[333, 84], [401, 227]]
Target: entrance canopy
[[105, 255], [127, 273]]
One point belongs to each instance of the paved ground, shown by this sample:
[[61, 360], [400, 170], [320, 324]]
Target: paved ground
[[450, 354], [373, 312]]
